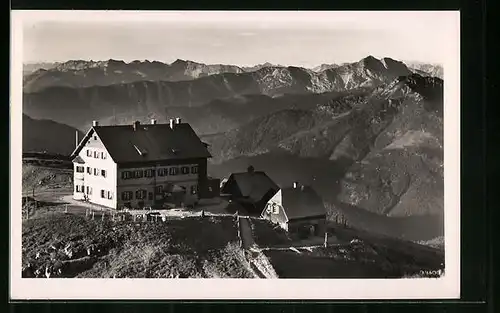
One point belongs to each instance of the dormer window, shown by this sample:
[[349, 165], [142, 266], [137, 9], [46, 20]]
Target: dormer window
[[141, 151]]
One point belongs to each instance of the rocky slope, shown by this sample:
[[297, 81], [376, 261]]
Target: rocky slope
[[383, 151], [79, 73], [48, 136], [426, 69]]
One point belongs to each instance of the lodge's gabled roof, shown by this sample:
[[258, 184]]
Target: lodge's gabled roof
[[148, 142], [302, 202]]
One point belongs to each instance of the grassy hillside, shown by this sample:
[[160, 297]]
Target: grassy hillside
[[175, 248]]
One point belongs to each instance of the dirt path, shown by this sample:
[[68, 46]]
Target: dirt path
[[246, 233]]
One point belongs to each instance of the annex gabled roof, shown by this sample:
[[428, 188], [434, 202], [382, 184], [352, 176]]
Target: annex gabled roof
[[302, 202], [149, 142], [254, 185]]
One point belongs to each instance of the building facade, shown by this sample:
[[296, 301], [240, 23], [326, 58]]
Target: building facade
[[141, 165]]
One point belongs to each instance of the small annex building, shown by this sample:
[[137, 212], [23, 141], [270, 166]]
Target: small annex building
[[297, 209], [251, 190]]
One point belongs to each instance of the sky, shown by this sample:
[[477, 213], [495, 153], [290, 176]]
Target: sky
[[241, 38]]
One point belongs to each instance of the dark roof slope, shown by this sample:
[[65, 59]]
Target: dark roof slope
[[254, 185], [302, 202], [151, 142]]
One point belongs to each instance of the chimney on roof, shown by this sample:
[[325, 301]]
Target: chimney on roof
[[250, 169], [172, 123], [95, 123], [295, 185], [76, 138], [177, 120], [136, 125], [153, 121]]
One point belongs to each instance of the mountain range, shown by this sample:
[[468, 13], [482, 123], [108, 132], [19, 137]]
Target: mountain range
[[366, 135], [96, 92]]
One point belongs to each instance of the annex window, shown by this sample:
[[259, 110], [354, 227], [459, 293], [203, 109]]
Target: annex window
[[272, 208], [162, 172], [140, 194], [126, 175], [185, 170], [96, 171], [173, 171], [194, 169], [89, 170], [103, 193], [149, 173], [127, 195], [103, 173], [89, 153], [110, 195], [80, 169], [138, 174]]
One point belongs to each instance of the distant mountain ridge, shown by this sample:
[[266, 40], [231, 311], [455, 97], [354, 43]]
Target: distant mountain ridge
[[80, 74], [78, 106]]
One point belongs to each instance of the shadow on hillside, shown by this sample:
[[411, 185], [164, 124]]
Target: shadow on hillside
[[324, 176], [284, 168], [412, 228]]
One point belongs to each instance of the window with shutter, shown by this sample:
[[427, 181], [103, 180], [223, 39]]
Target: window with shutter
[[194, 170], [185, 170]]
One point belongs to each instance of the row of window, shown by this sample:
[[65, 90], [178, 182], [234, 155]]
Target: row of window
[[88, 190], [172, 171], [142, 194], [95, 171], [97, 154]]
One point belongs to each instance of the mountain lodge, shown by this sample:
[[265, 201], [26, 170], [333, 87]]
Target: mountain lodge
[[141, 165]]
